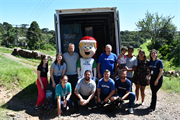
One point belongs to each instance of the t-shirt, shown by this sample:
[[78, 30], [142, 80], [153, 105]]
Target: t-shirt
[[71, 62], [154, 66], [122, 87], [86, 88], [107, 62], [60, 91], [86, 64], [106, 87], [130, 62], [122, 59], [57, 68], [43, 70]]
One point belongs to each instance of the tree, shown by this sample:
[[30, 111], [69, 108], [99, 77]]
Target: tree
[[7, 26], [158, 27], [34, 36], [9, 36]]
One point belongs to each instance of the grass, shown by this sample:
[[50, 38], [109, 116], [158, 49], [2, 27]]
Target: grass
[[52, 53], [16, 74], [5, 50], [171, 84]]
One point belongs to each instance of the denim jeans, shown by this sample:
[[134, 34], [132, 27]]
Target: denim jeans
[[56, 80], [131, 97]]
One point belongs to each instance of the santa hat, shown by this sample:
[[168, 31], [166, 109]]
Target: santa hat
[[88, 39]]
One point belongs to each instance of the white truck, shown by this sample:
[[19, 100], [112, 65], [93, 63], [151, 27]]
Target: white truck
[[101, 23]]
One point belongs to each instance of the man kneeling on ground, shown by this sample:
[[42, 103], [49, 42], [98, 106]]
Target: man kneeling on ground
[[105, 88], [123, 88], [84, 91]]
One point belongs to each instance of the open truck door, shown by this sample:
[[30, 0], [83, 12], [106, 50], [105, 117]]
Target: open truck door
[[101, 23]]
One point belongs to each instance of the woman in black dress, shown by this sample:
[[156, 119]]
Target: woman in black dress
[[140, 77]]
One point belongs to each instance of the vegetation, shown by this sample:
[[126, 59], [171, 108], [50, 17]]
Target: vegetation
[[15, 74]]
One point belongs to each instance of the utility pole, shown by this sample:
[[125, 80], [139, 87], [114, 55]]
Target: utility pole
[[17, 35]]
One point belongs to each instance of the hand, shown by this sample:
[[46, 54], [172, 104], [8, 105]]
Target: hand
[[64, 103], [42, 86], [113, 76], [106, 100], [59, 113], [99, 100], [94, 78], [99, 76], [82, 101], [79, 77], [126, 68], [85, 102], [156, 82], [54, 85]]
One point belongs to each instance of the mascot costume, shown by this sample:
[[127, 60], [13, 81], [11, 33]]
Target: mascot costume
[[87, 49]]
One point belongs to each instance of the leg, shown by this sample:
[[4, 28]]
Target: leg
[[137, 92], [142, 88], [131, 99], [40, 93], [73, 80], [45, 82]]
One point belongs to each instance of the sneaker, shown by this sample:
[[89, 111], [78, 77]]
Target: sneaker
[[121, 103], [131, 110], [36, 108]]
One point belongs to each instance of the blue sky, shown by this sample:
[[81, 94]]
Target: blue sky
[[18, 12]]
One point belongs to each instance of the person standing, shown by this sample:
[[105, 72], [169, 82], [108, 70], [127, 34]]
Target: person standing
[[58, 68], [140, 76], [71, 59], [42, 82], [131, 64], [63, 94], [123, 90], [107, 60], [156, 73]]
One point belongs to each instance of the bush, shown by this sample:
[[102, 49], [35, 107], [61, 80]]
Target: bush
[[48, 47]]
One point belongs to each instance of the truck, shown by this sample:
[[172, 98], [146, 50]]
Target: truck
[[101, 23]]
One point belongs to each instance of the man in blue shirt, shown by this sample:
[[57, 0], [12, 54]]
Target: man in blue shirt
[[105, 88], [123, 90], [107, 60]]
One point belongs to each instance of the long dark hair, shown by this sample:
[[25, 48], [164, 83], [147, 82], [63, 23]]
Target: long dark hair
[[144, 54], [62, 61], [42, 58], [153, 50]]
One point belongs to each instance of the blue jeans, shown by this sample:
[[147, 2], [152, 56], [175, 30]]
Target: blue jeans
[[131, 97], [56, 80], [69, 103]]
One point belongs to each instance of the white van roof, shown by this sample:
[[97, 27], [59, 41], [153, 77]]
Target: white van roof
[[86, 10]]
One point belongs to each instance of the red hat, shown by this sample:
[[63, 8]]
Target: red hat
[[88, 39]]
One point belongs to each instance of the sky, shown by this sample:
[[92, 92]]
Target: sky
[[17, 12]]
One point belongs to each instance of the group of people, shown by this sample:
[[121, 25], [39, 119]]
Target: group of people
[[115, 79]]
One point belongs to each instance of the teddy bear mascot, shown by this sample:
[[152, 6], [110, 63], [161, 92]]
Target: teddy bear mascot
[[87, 49]]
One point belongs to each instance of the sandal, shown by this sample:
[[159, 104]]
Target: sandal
[[45, 107], [36, 108]]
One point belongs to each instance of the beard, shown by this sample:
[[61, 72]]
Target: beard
[[87, 79]]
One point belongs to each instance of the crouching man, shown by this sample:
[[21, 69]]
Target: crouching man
[[105, 88], [123, 88], [84, 91]]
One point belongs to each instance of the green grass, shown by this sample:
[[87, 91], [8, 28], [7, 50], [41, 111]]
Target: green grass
[[13, 72], [168, 66], [50, 52], [171, 84], [5, 50]]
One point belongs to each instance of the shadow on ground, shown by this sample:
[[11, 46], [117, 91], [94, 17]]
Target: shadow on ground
[[26, 99]]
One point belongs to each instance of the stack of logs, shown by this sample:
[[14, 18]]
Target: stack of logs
[[30, 54]]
